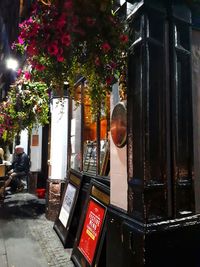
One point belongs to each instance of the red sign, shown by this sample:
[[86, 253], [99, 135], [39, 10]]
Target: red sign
[[91, 230]]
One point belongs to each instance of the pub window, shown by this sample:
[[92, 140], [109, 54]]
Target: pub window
[[89, 138], [75, 137]]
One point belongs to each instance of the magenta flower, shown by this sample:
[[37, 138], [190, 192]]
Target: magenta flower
[[60, 58], [27, 75], [97, 61], [109, 80], [53, 49], [19, 72], [20, 40], [61, 21], [123, 38], [66, 39], [39, 67], [32, 49], [106, 47]]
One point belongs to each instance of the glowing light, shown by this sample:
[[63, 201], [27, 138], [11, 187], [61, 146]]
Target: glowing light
[[12, 64]]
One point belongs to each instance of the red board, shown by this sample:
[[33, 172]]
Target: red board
[[91, 230]]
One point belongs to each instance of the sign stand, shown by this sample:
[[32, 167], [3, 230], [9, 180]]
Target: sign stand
[[64, 224], [89, 247]]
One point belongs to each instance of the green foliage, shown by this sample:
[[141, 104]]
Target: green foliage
[[27, 106]]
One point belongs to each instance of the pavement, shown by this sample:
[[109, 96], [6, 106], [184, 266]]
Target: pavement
[[27, 238]]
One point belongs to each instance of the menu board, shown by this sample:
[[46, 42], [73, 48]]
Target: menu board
[[91, 230], [67, 204]]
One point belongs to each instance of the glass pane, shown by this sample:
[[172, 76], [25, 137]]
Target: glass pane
[[89, 142], [136, 30], [92, 163], [76, 137], [104, 140]]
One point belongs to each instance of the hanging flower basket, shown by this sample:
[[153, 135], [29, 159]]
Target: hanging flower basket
[[27, 106], [65, 39]]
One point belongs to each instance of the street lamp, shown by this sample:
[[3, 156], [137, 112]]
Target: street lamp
[[12, 64]]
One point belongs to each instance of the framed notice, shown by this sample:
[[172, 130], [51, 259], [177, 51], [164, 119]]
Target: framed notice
[[35, 140], [90, 243], [64, 221], [68, 201], [91, 230]]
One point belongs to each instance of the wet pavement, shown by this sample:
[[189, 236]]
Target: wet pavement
[[27, 238]]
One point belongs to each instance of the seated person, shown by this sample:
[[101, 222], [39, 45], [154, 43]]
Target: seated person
[[19, 168]]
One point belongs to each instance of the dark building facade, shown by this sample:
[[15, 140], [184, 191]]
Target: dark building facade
[[161, 226]]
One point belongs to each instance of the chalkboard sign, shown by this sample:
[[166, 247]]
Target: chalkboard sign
[[89, 247], [68, 203]]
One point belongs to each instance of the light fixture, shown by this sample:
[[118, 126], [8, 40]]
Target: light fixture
[[12, 64]]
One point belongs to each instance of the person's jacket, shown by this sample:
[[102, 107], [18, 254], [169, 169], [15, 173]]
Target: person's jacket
[[21, 163]]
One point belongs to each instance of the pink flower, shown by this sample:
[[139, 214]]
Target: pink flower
[[32, 49], [20, 40], [66, 39], [61, 21], [123, 38], [34, 29], [53, 49], [97, 61], [108, 80], [19, 72], [106, 47], [60, 58], [39, 67], [27, 75]]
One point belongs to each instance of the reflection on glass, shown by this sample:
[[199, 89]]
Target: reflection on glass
[[76, 137], [136, 29], [104, 157], [90, 157]]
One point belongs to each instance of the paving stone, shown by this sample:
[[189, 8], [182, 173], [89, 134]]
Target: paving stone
[[31, 209]]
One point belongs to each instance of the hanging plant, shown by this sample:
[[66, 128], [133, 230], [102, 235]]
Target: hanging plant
[[27, 106], [65, 39]]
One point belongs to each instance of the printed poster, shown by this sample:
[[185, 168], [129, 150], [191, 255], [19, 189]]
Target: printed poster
[[67, 204], [91, 230]]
